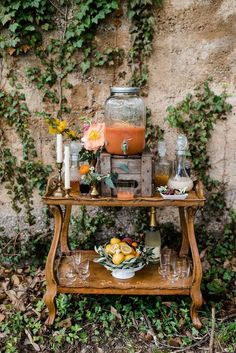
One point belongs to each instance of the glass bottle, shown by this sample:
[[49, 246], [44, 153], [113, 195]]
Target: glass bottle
[[84, 182], [180, 178], [162, 167], [125, 120], [153, 237], [74, 174]]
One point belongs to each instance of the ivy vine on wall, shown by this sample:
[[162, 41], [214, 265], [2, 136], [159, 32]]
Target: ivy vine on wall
[[62, 36], [196, 116], [72, 48], [23, 175]]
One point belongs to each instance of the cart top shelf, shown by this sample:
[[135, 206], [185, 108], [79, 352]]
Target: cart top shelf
[[194, 198]]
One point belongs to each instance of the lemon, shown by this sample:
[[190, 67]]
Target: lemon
[[115, 241], [126, 249], [129, 257], [118, 258], [108, 249]]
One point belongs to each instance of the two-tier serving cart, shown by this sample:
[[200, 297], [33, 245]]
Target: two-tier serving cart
[[147, 281]]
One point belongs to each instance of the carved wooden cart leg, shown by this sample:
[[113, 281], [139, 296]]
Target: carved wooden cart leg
[[184, 250], [51, 291], [64, 233], [195, 291]]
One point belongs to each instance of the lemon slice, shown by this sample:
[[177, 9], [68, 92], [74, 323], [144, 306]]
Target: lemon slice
[[129, 257], [126, 249], [114, 248]]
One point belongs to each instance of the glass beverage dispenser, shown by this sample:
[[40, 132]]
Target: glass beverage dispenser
[[125, 119]]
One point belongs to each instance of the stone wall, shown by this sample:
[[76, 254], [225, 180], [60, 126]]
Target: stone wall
[[194, 39]]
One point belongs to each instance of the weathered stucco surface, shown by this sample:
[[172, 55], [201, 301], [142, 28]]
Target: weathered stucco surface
[[194, 39]]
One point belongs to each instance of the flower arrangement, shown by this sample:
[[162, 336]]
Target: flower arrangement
[[90, 176], [123, 254], [90, 134]]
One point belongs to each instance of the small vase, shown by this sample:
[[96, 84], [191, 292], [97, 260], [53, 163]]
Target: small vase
[[94, 191]]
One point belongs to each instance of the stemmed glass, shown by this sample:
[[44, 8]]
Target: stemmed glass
[[65, 270], [81, 265], [173, 267], [83, 269], [167, 261], [183, 267]]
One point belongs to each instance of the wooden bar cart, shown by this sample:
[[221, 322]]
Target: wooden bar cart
[[146, 281]]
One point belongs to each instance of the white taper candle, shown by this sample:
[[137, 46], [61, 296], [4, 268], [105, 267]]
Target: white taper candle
[[67, 166], [59, 148]]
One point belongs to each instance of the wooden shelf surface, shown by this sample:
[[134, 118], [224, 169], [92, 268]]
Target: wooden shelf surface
[[76, 199], [100, 281]]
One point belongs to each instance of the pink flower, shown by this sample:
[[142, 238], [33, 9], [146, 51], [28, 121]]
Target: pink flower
[[94, 137], [85, 127]]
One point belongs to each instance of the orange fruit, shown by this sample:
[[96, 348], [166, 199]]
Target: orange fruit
[[84, 169], [118, 258], [115, 241], [126, 249], [134, 244]]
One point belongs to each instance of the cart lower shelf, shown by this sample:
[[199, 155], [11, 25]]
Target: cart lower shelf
[[146, 281]]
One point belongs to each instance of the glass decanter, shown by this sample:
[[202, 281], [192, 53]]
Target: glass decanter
[[180, 178]]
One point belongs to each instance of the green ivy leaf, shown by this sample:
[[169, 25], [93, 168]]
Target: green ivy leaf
[[13, 27], [85, 66]]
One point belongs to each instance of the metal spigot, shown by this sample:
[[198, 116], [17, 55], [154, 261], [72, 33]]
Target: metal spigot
[[124, 146]]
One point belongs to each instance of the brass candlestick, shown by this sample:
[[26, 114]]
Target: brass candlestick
[[67, 193], [59, 192]]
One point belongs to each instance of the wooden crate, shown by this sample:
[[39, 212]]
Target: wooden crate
[[139, 170]]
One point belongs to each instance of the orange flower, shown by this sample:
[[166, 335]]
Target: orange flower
[[94, 137], [84, 169]]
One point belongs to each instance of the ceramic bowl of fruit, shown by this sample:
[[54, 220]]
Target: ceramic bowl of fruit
[[123, 257]]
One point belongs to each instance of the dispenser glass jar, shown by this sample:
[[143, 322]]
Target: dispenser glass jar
[[125, 119]]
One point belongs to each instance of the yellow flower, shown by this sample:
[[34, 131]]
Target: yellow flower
[[52, 130], [61, 125], [72, 133]]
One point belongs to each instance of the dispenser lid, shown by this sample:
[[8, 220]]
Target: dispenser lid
[[124, 89]]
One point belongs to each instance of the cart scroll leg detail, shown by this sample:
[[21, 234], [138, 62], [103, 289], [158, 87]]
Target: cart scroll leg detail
[[184, 250], [195, 291], [51, 291], [64, 233]]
